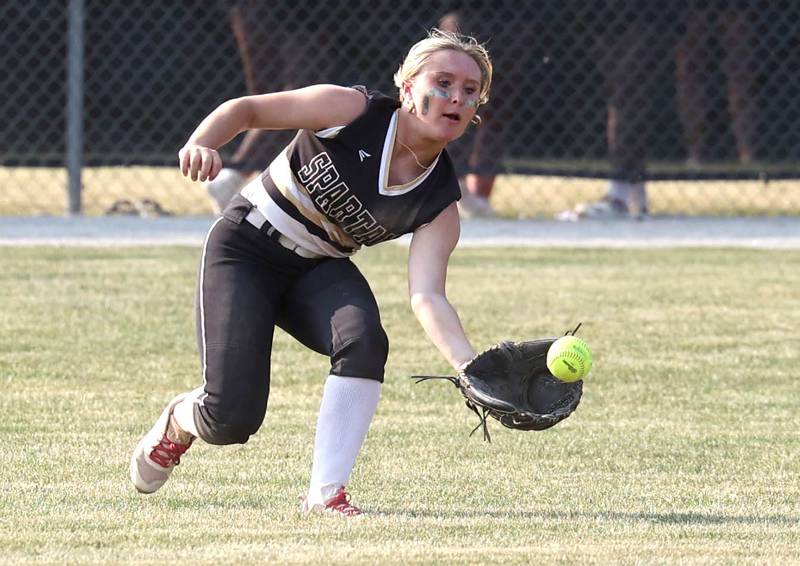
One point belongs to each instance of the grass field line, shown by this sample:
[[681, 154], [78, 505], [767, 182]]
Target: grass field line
[[659, 231]]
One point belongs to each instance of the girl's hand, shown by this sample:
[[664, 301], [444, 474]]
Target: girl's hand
[[199, 162]]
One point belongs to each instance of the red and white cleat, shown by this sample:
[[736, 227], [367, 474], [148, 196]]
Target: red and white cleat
[[157, 454], [338, 504]]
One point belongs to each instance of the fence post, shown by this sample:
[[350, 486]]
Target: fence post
[[74, 135]]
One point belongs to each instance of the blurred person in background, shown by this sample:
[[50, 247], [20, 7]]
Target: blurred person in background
[[478, 155], [717, 34], [633, 50], [301, 56], [363, 168]]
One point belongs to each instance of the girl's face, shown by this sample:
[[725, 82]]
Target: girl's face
[[445, 94]]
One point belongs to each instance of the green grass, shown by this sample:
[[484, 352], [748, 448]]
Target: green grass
[[685, 447]]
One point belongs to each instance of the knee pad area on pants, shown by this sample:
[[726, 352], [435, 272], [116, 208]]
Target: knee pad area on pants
[[364, 356], [223, 427]]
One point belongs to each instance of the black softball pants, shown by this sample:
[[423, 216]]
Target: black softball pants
[[248, 283]]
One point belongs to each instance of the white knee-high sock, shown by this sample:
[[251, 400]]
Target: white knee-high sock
[[348, 405]]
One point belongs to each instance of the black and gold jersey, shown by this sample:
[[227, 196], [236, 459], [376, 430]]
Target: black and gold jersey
[[329, 190]]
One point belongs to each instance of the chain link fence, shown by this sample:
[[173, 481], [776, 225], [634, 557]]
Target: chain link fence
[[699, 100]]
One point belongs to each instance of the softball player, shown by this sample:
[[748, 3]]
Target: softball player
[[362, 169]]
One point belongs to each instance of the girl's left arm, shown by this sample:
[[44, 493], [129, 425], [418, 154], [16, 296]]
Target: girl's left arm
[[428, 256]]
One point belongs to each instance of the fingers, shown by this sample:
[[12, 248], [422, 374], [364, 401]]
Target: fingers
[[216, 166], [206, 161], [199, 163], [183, 160]]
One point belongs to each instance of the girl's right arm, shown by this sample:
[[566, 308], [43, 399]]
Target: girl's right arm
[[314, 108]]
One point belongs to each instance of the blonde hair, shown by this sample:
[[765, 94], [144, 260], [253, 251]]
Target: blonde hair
[[438, 40]]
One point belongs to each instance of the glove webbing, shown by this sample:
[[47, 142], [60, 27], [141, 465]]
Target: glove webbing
[[482, 417]]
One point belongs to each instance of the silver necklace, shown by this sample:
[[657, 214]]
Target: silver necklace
[[414, 155]]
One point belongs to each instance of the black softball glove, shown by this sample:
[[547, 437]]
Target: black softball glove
[[511, 382]]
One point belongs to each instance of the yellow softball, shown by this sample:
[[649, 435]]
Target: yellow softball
[[569, 358]]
